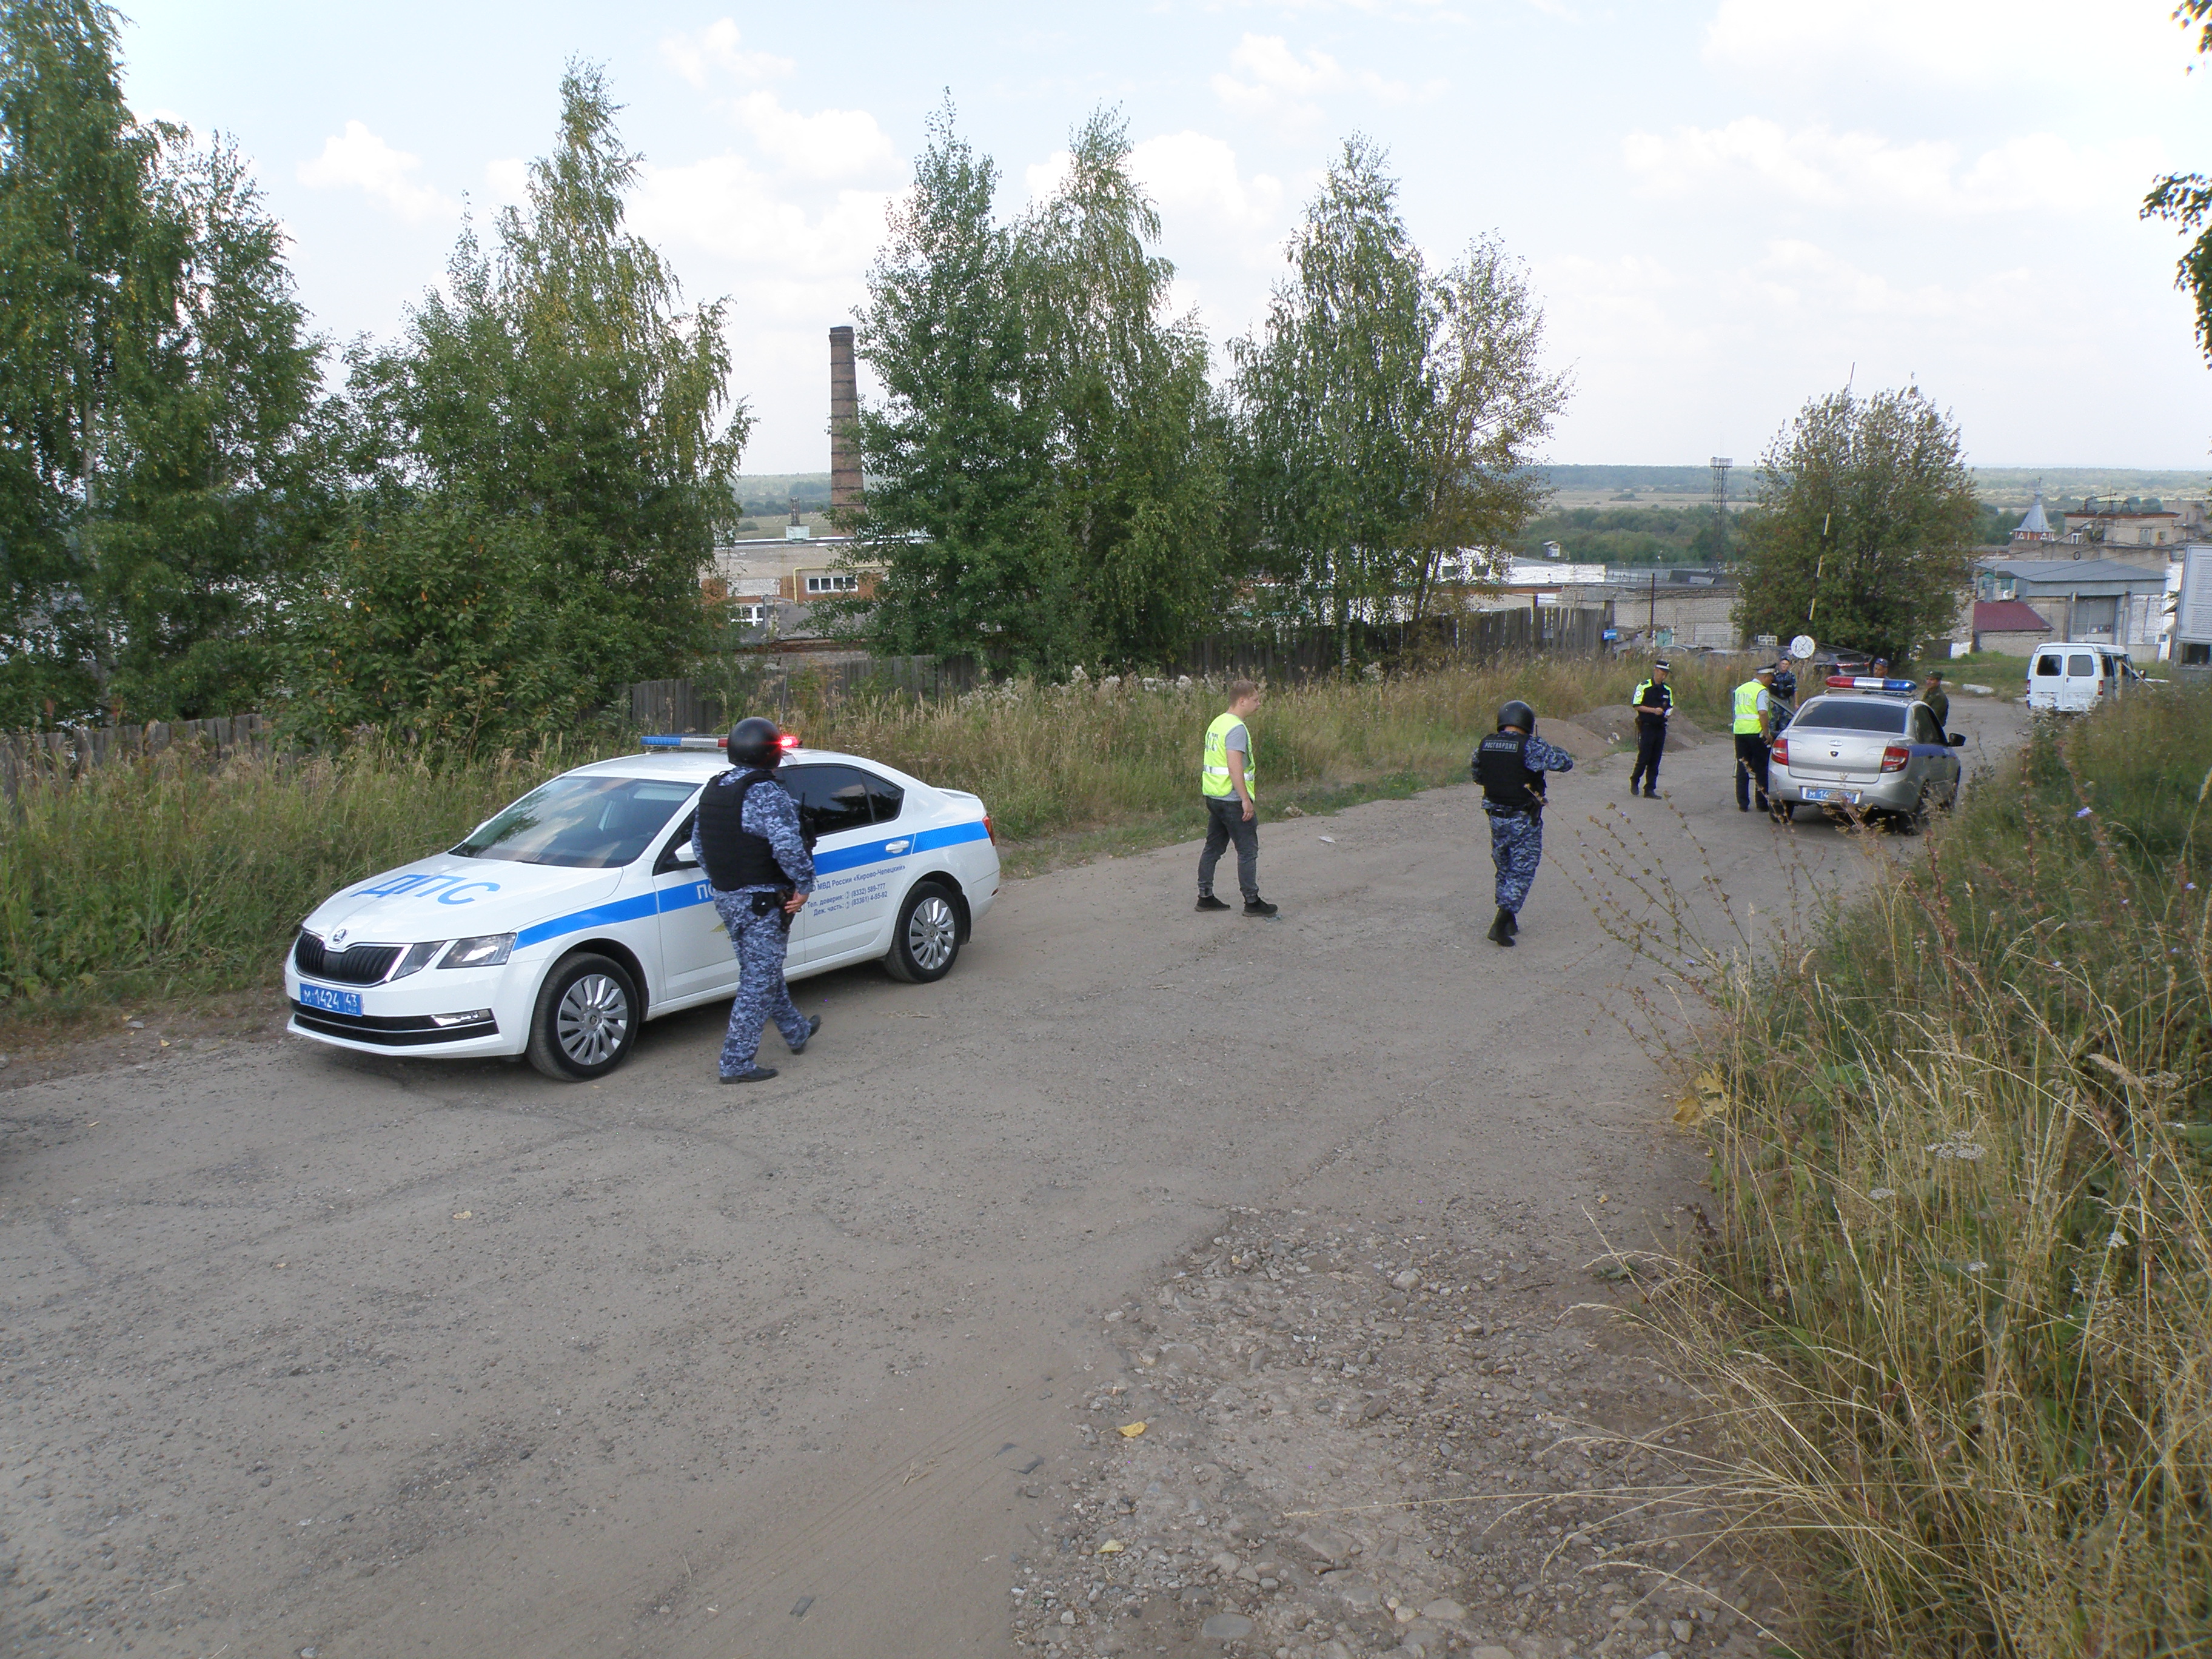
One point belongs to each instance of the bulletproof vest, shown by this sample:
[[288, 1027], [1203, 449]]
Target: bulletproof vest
[[735, 857], [1501, 767]]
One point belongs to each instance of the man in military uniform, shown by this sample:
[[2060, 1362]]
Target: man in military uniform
[[1509, 764], [1938, 700], [1754, 730], [1653, 700], [747, 839]]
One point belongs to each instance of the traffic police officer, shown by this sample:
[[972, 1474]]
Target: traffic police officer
[[1653, 700], [1225, 779], [1509, 764], [1754, 726], [748, 840]]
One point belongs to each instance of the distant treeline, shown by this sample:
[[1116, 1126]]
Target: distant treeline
[[1670, 535]]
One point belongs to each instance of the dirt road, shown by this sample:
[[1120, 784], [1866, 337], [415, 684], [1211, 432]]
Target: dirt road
[[307, 1353]]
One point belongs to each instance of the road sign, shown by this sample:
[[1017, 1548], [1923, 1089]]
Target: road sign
[[1801, 647]]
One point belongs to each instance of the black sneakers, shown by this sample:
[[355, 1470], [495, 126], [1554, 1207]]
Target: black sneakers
[[813, 1025], [754, 1073], [1257, 907], [1207, 901]]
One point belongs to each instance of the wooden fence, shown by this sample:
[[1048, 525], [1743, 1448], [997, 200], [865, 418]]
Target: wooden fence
[[73, 751], [764, 681]]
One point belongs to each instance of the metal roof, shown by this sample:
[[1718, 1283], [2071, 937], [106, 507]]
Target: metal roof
[[2008, 617], [2075, 573]]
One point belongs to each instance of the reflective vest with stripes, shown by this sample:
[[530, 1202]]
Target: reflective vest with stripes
[[1213, 775], [1746, 708]]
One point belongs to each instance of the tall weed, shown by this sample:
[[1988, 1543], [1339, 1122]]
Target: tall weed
[[1956, 1322]]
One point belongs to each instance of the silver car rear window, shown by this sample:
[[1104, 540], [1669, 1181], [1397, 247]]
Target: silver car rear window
[[1847, 714]]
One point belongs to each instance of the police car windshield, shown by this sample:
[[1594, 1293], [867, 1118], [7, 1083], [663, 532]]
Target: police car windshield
[[1851, 714], [584, 823]]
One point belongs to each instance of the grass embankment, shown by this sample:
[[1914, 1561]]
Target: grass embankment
[[167, 878], [1956, 1326]]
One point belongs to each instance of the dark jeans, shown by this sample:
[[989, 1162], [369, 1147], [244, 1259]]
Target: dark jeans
[[1650, 744], [1750, 768], [1226, 821]]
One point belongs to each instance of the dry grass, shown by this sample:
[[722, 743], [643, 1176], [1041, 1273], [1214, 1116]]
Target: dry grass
[[165, 878], [1955, 1328]]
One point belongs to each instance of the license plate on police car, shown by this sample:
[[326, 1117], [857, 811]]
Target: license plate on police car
[[1848, 797], [331, 1002]]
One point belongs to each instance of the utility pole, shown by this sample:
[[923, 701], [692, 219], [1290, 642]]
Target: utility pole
[[1720, 465]]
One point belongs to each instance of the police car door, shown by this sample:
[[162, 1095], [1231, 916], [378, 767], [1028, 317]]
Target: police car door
[[695, 956], [860, 859]]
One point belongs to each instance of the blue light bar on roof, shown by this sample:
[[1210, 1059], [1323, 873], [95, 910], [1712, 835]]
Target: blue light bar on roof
[[671, 740], [1869, 683]]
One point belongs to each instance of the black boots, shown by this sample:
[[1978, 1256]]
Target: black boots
[[1502, 929]]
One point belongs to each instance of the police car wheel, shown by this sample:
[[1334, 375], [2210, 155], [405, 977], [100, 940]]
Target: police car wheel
[[928, 937], [585, 1019]]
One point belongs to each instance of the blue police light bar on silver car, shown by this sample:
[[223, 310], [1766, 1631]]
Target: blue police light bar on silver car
[[1869, 683]]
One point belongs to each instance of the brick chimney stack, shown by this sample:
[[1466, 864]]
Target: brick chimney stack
[[844, 411]]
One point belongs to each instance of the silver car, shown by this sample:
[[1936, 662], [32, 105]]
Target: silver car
[[1857, 753]]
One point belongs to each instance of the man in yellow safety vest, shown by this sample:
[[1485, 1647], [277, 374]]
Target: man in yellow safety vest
[[1754, 730], [1225, 779]]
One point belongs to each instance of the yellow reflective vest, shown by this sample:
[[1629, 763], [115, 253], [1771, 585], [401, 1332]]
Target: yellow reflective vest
[[1746, 708], [1213, 775]]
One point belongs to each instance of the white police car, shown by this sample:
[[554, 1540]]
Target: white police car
[[557, 927]]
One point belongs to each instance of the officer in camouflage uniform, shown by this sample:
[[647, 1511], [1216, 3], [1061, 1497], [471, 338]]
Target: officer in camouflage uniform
[[1509, 764], [748, 840]]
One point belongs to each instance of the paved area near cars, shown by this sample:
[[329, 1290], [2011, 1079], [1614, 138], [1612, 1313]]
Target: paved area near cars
[[306, 1351]]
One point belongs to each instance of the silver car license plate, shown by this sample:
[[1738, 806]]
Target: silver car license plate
[[1848, 797], [331, 1002]]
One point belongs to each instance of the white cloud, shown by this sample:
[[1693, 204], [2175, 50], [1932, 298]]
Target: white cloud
[[357, 159], [1195, 174], [785, 250], [1269, 79], [1822, 168], [1975, 42], [506, 181], [716, 47], [829, 144]]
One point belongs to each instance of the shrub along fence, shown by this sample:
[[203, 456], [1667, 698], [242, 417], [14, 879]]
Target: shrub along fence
[[759, 679]]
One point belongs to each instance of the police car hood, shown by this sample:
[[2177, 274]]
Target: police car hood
[[446, 897]]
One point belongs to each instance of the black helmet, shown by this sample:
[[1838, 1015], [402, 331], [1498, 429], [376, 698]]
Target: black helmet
[[1518, 713], [755, 742]]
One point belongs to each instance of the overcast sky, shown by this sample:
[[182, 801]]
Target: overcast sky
[[1727, 205]]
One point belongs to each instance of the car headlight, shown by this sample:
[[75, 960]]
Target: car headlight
[[488, 951], [417, 958]]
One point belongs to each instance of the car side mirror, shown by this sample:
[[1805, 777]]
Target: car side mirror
[[682, 854], [1957, 740]]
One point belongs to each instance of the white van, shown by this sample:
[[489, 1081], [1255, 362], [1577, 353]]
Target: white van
[[2069, 679]]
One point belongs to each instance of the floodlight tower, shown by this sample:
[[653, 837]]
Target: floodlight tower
[[1720, 465]]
